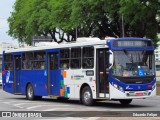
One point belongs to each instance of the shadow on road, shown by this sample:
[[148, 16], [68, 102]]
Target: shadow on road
[[102, 104]]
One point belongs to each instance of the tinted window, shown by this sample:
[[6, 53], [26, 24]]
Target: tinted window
[[39, 60], [76, 58], [64, 58], [8, 58], [27, 60], [88, 57], [53, 61]]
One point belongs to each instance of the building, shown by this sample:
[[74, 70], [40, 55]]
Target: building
[[157, 51], [157, 59], [5, 46]]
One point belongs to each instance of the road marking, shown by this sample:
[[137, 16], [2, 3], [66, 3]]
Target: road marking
[[47, 105], [19, 104], [66, 109], [19, 107], [12, 101], [73, 118], [53, 109], [6, 102], [36, 106]]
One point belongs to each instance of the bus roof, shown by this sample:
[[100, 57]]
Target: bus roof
[[84, 41], [54, 45]]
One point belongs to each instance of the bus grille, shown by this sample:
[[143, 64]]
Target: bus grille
[[136, 80]]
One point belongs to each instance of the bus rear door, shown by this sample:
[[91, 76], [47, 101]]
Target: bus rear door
[[53, 73], [17, 70], [102, 72]]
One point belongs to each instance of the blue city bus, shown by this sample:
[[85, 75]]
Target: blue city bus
[[89, 69]]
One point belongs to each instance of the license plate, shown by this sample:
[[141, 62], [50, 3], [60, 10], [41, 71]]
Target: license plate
[[139, 94]]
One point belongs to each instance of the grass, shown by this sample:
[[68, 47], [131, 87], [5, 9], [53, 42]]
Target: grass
[[158, 87]]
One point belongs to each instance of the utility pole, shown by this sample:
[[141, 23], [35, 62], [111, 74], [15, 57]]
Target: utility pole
[[76, 33], [122, 26]]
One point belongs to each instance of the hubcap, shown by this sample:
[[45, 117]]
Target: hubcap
[[30, 92], [87, 96]]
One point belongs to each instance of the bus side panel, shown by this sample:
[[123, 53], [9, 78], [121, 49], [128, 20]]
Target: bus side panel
[[25, 77], [58, 82], [67, 84], [40, 86], [38, 80], [55, 82], [8, 81], [73, 81]]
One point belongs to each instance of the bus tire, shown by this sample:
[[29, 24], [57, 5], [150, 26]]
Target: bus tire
[[30, 92], [125, 101], [86, 96]]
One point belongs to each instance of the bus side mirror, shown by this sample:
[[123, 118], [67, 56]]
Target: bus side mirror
[[110, 59]]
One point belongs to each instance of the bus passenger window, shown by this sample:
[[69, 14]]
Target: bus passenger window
[[8, 62], [64, 58], [27, 61], [39, 60], [76, 58], [88, 57], [53, 61]]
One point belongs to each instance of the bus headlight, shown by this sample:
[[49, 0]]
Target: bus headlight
[[120, 88], [115, 85], [154, 86]]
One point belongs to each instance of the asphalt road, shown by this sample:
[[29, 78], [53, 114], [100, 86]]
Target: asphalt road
[[9, 102]]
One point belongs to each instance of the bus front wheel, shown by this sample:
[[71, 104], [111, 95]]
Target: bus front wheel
[[87, 98], [125, 101], [30, 92]]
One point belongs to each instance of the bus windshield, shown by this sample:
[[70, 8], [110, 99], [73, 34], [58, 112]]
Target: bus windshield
[[133, 63]]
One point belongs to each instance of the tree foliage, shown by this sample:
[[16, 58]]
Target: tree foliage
[[62, 19], [142, 17]]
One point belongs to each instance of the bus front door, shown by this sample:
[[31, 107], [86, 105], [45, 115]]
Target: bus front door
[[53, 73], [102, 72], [17, 70]]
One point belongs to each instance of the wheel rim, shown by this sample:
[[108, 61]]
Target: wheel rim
[[30, 92], [87, 96]]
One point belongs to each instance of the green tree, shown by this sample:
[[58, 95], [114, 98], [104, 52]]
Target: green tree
[[100, 18], [141, 17], [34, 18], [60, 15], [92, 18]]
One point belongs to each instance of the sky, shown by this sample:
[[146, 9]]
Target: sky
[[6, 7]]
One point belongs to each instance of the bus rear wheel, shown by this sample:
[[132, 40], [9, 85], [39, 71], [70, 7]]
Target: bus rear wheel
[[30, 92], [125, 101], [86, 96]]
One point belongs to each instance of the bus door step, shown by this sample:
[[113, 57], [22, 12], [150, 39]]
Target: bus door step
[[102, 98], [103, 95], [17, 93], [54, 97]]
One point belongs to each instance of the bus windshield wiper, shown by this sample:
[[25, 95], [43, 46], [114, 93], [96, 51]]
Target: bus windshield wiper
[[130, 57]]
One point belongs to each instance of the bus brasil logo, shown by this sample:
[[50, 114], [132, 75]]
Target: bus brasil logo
[[128, 88], [7, 77]]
